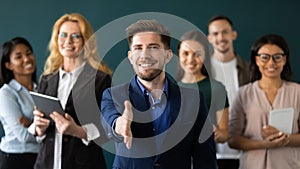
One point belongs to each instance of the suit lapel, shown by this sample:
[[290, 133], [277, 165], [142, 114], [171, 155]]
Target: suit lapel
[[52, 85], [88, 73], [175, 101], [83, 93], [140, 102], [173, 106]]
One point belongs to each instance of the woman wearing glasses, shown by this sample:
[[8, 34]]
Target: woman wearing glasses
[[74, 74], [264, 146]]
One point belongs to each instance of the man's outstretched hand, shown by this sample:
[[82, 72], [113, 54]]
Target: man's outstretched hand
[[123, 123]]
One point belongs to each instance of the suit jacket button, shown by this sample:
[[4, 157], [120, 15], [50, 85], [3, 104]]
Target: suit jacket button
[[66, 139], [156, 165]]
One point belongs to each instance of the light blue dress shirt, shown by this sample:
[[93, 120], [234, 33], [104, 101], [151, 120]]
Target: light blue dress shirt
[[15, 101], [161, 120], [159, 111]]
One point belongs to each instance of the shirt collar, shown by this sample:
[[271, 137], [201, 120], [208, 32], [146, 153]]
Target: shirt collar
[[144, 90], [74, 72], [17, 86]]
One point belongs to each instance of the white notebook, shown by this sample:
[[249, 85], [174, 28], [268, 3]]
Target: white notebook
[[282, 119]]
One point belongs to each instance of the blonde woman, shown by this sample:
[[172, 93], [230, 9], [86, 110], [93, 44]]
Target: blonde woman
[[74, 74]]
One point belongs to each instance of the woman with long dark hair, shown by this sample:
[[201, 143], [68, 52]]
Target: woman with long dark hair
[[18, 76]]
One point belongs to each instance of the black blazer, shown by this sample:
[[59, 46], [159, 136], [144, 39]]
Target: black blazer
[[83, 105], [190, 136]]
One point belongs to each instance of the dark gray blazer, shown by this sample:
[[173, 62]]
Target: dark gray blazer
[[83, 105], [243, 71]]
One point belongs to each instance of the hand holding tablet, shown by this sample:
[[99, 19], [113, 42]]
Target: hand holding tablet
[[46, 104]]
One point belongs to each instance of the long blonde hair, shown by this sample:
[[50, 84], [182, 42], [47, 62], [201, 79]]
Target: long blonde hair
[[89, 51]]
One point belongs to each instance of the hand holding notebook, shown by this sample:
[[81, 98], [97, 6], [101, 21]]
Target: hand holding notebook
[[282, 119]]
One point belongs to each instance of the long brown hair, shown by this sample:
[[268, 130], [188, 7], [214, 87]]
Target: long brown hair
[[199, 37]]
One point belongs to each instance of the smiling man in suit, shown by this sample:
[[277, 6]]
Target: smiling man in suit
[[156, 123]]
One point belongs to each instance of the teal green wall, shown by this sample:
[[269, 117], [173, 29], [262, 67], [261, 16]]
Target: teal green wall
[[34, 20]]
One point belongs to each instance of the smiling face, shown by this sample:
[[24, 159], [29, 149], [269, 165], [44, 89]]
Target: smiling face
[[270, 69], [221, 36], [148, 55], [70, 41], [22, 61], [191, 57]]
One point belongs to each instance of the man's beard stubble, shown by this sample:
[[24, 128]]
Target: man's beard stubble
[[151, 76]]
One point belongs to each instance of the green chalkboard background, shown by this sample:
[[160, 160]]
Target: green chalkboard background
[[34, 19]]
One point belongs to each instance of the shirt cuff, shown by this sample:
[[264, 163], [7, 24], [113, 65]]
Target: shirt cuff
[[117, 136], [92, 133], [31, 130], [39, 139]]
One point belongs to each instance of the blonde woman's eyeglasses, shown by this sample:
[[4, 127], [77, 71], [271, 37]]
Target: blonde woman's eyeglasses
[[75, 37]]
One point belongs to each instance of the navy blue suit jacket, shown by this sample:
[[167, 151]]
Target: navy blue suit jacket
[[181, 144]]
